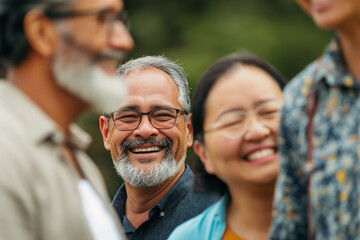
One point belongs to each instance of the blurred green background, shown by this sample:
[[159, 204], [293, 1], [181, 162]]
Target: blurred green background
[[195, 33]]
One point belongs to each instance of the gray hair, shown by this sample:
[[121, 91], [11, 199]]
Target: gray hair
[[171, 68]]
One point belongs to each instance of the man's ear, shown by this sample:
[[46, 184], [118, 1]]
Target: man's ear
[[201, 152], [104, 128], [190, 131], [41, 33]]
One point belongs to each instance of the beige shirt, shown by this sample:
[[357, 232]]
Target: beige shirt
[[39, 197]]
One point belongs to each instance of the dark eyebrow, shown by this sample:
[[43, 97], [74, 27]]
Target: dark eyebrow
[[161, 107], [136, 108], [131, 107], [69, 13]]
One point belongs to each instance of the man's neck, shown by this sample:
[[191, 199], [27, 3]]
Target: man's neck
[[350, 44], [140, 200]]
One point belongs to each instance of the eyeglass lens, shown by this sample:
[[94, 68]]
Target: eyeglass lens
[[234, 124], [160, 118], [103, 15]]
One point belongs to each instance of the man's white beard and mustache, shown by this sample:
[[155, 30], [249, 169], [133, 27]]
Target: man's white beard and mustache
[[148, 176], [81, 75]]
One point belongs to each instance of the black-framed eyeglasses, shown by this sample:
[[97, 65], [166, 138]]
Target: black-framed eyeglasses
[[160, 118], [106, 15], [234, 124]]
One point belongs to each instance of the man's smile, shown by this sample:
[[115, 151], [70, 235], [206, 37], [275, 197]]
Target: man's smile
[[146, 149]]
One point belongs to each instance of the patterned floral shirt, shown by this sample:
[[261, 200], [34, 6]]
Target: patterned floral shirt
[[334, 189]]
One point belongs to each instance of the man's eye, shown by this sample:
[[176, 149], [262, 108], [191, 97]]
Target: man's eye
[[127, 118], [163, 116], [122, 16], [103, 16]]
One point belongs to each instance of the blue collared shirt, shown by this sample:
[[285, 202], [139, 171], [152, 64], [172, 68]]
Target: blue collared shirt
[[209, 225], [335, 178], [179, 205]]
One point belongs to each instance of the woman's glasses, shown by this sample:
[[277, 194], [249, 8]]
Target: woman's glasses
[[234, 124]]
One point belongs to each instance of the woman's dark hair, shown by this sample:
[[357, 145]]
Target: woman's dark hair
[[205, 182]]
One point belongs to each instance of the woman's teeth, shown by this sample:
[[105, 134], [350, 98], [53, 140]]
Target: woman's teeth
[[260, 154], [149, 149]]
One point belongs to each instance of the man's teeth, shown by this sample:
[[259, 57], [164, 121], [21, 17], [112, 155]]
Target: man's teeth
[[260, 154], [149, 149]]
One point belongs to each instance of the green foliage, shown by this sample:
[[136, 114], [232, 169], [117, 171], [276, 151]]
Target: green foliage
[[196, 33]]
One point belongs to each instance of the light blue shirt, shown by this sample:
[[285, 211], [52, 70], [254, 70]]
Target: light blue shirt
[[208, 225]]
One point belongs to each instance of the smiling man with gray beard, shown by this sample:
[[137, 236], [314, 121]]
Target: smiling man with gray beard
[[148, 137], [152, 176]]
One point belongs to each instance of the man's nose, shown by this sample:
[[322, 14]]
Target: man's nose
[[120, 38], [145, 128]]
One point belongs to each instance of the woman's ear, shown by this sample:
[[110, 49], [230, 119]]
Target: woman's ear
[[41, 33], [201, 151], [104, 128], [190, 132]]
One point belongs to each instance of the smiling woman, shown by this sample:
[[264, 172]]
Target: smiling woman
[[236, 112]]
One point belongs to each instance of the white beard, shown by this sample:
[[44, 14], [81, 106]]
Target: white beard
[[148, 177], [78, 75]]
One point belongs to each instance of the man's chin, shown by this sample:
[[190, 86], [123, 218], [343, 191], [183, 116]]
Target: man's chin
[[109, 66], [146, 174], [147, 161]]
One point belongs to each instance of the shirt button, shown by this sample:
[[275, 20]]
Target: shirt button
[[162, 214]]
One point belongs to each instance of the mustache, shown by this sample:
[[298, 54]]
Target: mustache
[[127, 144], [115, 54], [109, 53]]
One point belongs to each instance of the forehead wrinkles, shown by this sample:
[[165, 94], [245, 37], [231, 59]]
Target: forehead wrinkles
[[81, 4], [151, 87]]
